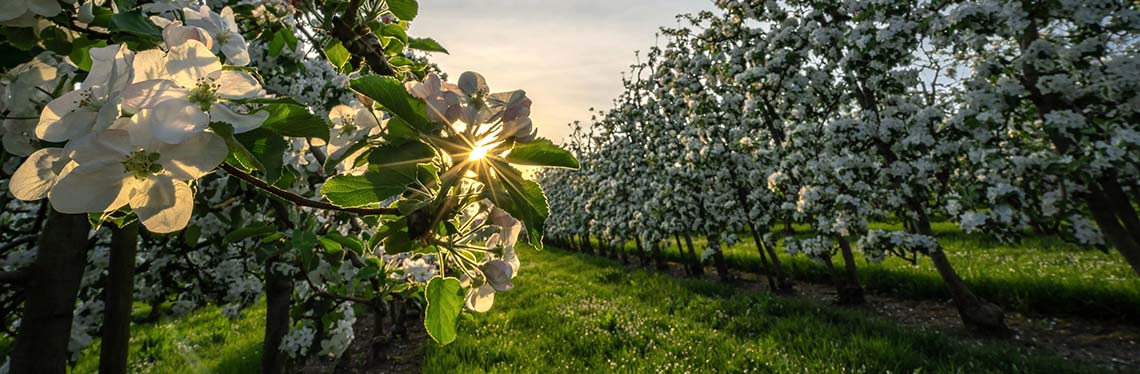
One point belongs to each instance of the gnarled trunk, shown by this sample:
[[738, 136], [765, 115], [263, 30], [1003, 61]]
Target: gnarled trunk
[[850, 292], [118, 295], [694, 261], [45, 327], [975, 312]]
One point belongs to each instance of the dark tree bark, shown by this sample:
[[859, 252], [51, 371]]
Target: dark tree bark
[[694, 260], [118, 295], [642, 255], [278, 299], [721, 266], [681, 250], [45, 327], [658, 257], [278, 292], [778, 280], [850, 293]]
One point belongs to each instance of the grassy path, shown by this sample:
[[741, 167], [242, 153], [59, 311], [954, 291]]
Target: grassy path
[[575, 313], [1039, 275]]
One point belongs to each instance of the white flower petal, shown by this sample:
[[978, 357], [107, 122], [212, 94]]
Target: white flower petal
[[195, 157], [147, 94], [110, 67], [109, 147], [149, 64], [162, 203], [12, 11], [176, 34], [173, 121], [234, 84], [498, 274], [75, 124], [191, 61], [241, 122], [91, 190], [36, 176], [235, 50], [480, 299], [49, 127], [46, 8]]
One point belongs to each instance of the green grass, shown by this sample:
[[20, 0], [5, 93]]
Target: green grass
[[1039, 275], [576, 313], [203, 341]]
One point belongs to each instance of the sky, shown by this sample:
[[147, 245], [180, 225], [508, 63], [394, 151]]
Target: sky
[[568, 55]]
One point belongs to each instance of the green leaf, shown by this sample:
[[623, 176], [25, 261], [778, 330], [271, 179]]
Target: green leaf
[[239, 156], [445, 300], [405, 10], [304, 239], [276, 44], [522, 198], [337, 54], [294, 121], [426, 45], [137, 24], [192, 234], [390, 93], [391, 168], [55, 40], [248, 232], [541, 152], [23, 38], [81, 51], [267, 148]]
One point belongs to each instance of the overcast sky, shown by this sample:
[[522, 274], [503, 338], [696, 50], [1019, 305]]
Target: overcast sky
[[567, 54]]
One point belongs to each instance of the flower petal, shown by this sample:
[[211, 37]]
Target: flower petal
[[147, 94], [149, 64], [36, 176], [480, 299], [162, 203], [173, 121], [49, 128], [235, 50], [176, 34], [110, 67], [46, 8], [234, 84], [109, 147], [195, 157], [190, 61], [91, 190], [498, 274], [241, 122]]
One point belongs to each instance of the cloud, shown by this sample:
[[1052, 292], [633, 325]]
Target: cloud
[[568, 55]]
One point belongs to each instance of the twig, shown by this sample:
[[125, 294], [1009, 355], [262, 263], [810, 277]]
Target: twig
[[301, 200]]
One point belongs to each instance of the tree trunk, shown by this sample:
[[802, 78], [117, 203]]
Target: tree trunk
[[694, 260], [658, 257], [764, 267], [45, 327], [975, 312], [788, 229], [278, 291], [118, 295], [721, 265], [589, 246], [850, 293], [641, 253]]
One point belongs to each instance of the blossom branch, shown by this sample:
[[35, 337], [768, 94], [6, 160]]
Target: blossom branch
[[299, 200]]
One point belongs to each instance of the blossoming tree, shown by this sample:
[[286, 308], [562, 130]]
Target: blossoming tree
[[303, 149]]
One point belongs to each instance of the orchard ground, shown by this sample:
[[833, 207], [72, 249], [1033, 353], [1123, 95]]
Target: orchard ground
[[572, 312]]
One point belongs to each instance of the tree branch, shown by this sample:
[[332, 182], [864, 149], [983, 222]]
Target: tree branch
[[299, 200], [360, 41], [14, 277]]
